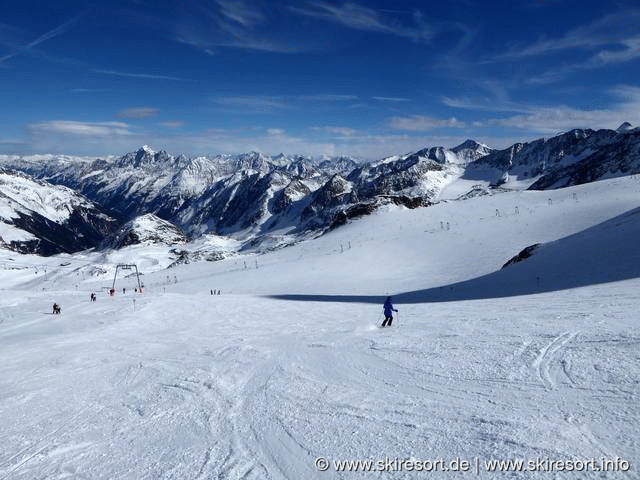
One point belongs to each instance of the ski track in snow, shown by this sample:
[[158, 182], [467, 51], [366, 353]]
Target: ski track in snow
[[198, 397], [542, 363], [182, 384]]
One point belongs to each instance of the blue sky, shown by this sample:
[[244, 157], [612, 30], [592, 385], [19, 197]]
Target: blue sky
[[313, 77]]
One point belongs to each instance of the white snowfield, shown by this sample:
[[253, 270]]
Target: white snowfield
[[539, 362]]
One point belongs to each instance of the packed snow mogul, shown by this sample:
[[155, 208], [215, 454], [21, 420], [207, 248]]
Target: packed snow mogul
[[388, 315]]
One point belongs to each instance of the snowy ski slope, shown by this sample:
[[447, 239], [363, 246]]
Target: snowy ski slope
[[538, 361]]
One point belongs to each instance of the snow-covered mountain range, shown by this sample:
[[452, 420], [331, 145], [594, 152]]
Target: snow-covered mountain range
[[36, 216], [572, 158], [263, 201]]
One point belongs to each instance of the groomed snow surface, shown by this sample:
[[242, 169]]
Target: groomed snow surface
[[537, 362]]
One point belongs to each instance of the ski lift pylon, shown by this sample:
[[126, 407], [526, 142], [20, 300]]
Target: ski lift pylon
[[123, 266]]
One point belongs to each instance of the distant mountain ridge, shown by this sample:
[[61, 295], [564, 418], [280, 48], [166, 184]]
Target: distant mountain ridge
[[255, 198], [38, 217], [572, 158]]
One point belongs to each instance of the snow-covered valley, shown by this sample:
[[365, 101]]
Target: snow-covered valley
[[539, 360]]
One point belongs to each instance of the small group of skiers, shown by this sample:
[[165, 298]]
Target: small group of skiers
[[112, 291], [92, 297]]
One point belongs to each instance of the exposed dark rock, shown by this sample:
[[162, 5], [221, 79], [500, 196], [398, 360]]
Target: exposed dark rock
[[523, 255]]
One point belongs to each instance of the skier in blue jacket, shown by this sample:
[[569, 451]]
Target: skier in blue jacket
[[388, 309]]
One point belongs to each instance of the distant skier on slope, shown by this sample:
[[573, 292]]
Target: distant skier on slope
[[388, 315]]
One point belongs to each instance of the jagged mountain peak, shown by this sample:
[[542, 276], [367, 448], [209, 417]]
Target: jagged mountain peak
[[465, 153], [625, 127], [470, 144], [281, 159], [471, 150], [143, 157], [253, 154]]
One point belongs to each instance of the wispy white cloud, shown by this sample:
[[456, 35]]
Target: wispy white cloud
[[390, 99], [342, 132], [258, 25], [241, 12], [622, 105], [12, 37], [82, 138], [68, 136], [88, 90], [172, 123], [8, 146], [628, 50], [235, 24], [610, 40], [54, 32], [71, 127], [271, 140], [137, 75], [138, 112], [327, 97], [612, 29], [245, 43], [555, 119], [360, 144], [251, 103], [357, 17], [490, 96], [419, 123], [484, 103], [543, 3], [116, 138], [267, 104]]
